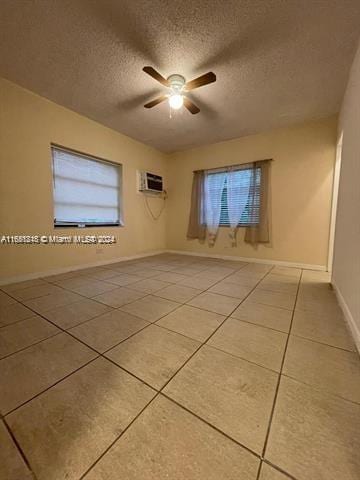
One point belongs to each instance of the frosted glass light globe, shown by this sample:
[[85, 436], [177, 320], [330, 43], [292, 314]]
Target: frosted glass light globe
[[176, 101]]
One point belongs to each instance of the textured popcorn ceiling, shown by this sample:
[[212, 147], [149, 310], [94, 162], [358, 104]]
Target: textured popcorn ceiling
[[277, 62]]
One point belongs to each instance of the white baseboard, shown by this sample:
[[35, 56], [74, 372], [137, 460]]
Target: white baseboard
[[350, 320], [57, 271], [305, 266]]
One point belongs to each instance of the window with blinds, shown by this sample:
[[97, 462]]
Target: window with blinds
[[247, 191], [86, 190]]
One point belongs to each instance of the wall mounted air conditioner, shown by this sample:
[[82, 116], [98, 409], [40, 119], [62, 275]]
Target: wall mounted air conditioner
[[149, 182]]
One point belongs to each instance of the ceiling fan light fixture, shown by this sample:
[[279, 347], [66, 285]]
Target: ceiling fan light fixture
[[177, 84], [176, 101]]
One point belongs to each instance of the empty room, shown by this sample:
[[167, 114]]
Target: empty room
[[179, 240]]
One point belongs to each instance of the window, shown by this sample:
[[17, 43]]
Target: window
[[245, 192], [233, 196], [86, 190]]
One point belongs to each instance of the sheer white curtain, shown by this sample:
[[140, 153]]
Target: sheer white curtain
[[238, 188], [214, 186]]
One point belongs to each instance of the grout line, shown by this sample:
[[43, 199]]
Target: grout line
[[25, 460], [277, 387], [157, 293], [102, 353], [230, 438], [323, 343], [146, 326], [43, 284], [83, 297], [275, 467], [41, 315], [62, 330], [28, 346], [157, 394], [292, 334], [118, 437], [319, 390], [209, 345], [281, 369], [49, 387], [197, 308], [138, 331], [155, 389], [275, 306], [98, 355], [259, 470], [18, 321], [177, 333], [258, 324], [278, 292], [249, 450]]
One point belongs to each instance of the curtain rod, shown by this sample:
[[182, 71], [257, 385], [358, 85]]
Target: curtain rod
[[235, 165]]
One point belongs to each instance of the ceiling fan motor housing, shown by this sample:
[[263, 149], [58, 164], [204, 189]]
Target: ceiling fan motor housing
[[176, 82]]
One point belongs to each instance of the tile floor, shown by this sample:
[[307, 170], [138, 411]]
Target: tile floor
[[177, 367]]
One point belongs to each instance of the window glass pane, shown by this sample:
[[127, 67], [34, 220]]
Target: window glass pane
[[85, 190], [243, 180]]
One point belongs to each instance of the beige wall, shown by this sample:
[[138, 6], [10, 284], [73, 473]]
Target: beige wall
[[301, 184], [28, 123], [346, 266], [301, 187]]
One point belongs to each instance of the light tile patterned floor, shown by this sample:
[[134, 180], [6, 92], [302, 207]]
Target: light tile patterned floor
[[177, 367]]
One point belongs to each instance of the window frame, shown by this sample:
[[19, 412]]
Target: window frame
[[87, 156], [240, 225]]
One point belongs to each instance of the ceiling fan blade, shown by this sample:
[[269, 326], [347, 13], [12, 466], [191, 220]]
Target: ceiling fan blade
[[191, 106], [156, 75], [209, 77], [156, 101]]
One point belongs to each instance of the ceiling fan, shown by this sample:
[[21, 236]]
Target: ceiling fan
[[178, 87]]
